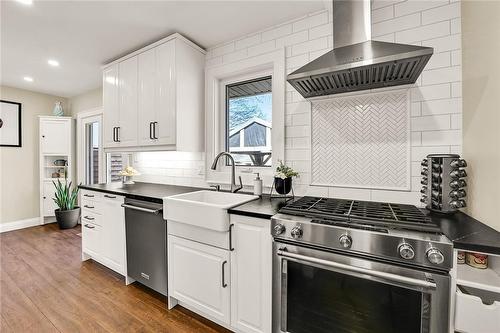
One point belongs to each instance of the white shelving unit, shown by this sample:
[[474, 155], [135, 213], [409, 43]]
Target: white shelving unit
[[478, 309], [56, 142]]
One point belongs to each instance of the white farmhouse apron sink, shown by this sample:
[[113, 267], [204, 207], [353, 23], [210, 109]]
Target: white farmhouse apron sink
[[205, 209]]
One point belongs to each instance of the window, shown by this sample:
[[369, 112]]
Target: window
[[249, 122]]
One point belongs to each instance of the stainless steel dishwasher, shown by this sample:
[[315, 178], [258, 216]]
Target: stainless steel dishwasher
[[146, 234]]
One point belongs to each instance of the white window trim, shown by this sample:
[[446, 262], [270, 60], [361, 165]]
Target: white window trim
[[271, 63]]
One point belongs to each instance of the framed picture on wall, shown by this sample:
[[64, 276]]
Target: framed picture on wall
[[10, 124]]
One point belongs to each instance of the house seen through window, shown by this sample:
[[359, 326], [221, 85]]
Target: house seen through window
[[249, 122]]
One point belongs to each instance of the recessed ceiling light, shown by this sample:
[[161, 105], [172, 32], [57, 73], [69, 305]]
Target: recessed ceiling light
[[25, 2], [28, 78], [53, 63]]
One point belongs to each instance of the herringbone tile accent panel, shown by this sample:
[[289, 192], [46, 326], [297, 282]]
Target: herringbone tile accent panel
[[362, 141]]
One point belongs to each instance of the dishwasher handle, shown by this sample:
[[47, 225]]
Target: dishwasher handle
[[146, 210]]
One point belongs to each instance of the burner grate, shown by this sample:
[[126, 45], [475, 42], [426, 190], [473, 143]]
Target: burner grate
[[377, 213]]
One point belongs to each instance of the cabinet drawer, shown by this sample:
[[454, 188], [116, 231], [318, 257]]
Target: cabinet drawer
[[473, 316], [91, 206], [91, 238], [109, 197], [90, 195], [90, 217]]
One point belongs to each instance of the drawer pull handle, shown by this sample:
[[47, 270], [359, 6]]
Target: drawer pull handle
[[89, 218], [87, 206], [109, 196], [88, 195], [89, 226]]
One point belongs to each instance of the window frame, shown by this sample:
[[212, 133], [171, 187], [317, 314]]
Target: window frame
[[224, 89], [273, 63]]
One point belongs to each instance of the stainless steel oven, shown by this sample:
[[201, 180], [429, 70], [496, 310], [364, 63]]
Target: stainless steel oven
[[321, 291]]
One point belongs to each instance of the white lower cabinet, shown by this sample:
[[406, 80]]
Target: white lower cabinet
[[251, 275], [199, 276], [103, 230], [232, 288]]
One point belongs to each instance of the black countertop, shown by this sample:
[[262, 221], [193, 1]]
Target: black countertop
[[465, 232], [141, 191]]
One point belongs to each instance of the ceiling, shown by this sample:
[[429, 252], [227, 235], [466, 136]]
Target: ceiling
[[83, 35]]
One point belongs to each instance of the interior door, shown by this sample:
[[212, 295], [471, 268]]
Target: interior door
[[199, 276], [146, 97], [110, 96], [165, 102], [55, 137], [127, 130]]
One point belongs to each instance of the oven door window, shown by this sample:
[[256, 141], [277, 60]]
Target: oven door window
[[319, 300]]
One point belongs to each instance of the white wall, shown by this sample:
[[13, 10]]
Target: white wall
[[481, 45], [436, 103], [19, 170], [86, 101]]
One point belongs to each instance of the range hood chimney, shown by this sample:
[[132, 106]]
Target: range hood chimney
[[357, 62]]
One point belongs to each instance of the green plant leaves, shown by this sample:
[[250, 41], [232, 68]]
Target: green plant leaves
[[65, 197]]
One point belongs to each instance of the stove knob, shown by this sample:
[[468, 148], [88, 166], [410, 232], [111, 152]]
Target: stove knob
[[296, 232], [435, 256], [345, 241], [406, 251], [279, 229]]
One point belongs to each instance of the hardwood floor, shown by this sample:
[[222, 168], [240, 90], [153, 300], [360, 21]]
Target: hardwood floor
[[45, 287]]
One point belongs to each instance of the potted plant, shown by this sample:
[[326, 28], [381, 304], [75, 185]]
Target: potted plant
[[283, 178], [68, 213]]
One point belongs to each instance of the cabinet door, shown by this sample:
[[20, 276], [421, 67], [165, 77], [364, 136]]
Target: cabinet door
[[48, 203], [110, 100], [113, 232], [91, 239], [165, 94], [146, 97], [251, 275], [198, 275], [127, 130], [55, 137]]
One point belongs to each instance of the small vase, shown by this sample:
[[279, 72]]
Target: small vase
[[58, 110], [283, 186]]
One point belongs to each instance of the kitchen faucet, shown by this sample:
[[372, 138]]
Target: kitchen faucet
[[234, 188]]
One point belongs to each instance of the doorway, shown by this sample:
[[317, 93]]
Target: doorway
[[89, 145]]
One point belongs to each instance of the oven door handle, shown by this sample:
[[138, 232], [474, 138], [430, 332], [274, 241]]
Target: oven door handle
[[388, 276]]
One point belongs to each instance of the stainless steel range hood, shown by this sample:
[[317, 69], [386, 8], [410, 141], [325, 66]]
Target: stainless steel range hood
[[356, 62]]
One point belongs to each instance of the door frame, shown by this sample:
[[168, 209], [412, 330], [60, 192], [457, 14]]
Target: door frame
[[82, 119]]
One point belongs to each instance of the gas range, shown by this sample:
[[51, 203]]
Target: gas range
[[395, 232]]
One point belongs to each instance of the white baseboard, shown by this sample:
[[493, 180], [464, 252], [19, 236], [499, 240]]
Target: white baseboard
[[21, 224]]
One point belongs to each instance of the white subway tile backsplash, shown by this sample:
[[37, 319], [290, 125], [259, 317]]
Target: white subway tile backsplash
[[456, 89], [397, 24], [349, 193], [301, 119], [430, 31], [297, 61], [376, 4], [442, 106], [321, 31], [262, 48], [447, 43], [419, 153], [311, 21], [389, 38], [220, 50], [248, 41], [277, 32], [437, 91], [439, 138], [439, 60], [382, 14], [456, 25], [416, 109], [408, 7], [309, 46], [292, 39], [430, 123], [456, 121], [456, 58], [442, 13], [235, 56], [442, 75]]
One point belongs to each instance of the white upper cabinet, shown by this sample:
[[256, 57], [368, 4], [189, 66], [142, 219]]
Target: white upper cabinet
[[54, 137], [110, 96], [160, 97]]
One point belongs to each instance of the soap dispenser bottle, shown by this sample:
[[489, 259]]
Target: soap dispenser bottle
[[257, 185]]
